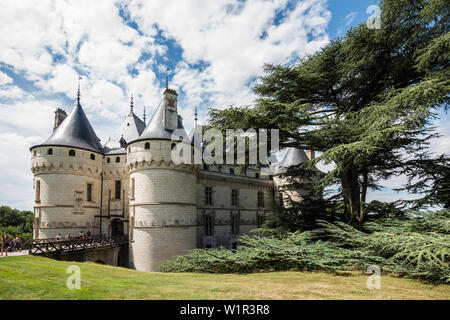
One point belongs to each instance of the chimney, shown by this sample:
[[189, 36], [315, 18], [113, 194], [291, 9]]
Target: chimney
[[60, 115], [311, 154]]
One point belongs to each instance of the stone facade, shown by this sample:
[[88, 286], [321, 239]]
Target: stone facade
[[136, 189]]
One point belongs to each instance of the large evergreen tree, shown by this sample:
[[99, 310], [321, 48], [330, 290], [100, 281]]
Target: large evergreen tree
[[365, 100]]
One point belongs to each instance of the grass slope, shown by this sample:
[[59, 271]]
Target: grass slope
[[29, 277]]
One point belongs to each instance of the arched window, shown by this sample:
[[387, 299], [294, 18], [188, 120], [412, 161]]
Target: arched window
[[173, 146], [147, 145], [92, 156], [72, 153], [108, 160], [118, 159], [50, 151]]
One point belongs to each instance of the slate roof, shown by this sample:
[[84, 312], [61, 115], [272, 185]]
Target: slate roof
[[130, 129], [75, 131], [156, 128], [292, 157]]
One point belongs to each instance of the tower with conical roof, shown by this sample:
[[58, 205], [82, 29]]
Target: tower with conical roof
[[67, 169], [163, 205]]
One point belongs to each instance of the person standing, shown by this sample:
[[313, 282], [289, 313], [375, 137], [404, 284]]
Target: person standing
[[5, 244]]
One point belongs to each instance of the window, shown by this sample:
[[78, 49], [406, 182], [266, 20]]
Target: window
[[132, 188], [147, 145], [117, 190], [129, 150], [118, 159], [92, 156], [38, 191], [34, 153], [234, 197], [72, 153], [208, 195], [231, 171], [235, 224], [260, 199], [89, 192], [50, 151], [108, 160], [173, 146], [257, 175], [260, 219], [234, 245], [209, 225]]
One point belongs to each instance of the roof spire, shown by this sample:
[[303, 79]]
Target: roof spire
[[195, 116], [78, 93], [144, 116], [167, 77], [131, 104]]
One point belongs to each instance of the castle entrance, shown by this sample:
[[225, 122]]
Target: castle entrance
[[117, 228]]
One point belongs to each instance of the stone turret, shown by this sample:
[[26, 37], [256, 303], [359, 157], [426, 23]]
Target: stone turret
[[67, 169], [163, 201]]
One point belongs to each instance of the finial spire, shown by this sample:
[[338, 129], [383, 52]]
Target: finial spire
[[131, 104], [144, 115], [167, 77], [78, 92], [195, 116]]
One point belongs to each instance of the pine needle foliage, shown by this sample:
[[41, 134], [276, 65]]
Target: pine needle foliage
[[417, 246]]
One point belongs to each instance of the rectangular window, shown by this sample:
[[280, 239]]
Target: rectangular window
[[235, 224], [260, 219], [260, 199], [208, 195], [209, 225], [117, 190], [132, 188], [89, 192], [234, 197], [38, 191]]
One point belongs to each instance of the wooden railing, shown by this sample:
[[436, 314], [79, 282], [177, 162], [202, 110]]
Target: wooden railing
[[43, 246]]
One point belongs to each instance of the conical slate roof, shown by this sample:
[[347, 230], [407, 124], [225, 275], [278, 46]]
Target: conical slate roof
[[75, 131], [130, 129], [292, 157], [156, 128]]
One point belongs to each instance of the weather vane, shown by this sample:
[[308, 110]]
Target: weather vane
[[78, 93]]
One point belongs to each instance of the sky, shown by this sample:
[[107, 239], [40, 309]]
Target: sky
[[215, 51]]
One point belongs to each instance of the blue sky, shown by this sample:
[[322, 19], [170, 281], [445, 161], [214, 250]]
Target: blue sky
[[215, 50]]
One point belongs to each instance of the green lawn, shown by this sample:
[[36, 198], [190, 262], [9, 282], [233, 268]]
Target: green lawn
[[29, 277]]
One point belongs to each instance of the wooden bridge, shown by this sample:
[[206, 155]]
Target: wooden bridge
[[45, 246]]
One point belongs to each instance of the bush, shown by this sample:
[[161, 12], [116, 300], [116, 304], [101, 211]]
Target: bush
[[417, 246]]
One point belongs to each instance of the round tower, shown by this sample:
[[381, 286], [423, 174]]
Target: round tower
[[67, 178], [162, 192]]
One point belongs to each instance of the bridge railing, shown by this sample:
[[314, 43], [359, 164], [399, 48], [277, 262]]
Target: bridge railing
[[43, 246]]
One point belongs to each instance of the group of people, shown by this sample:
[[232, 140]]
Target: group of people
[[15, 244], [81, 236]]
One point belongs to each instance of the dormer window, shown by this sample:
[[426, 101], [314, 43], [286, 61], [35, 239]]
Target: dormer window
[[71, 153], [92, 156], [50, 151]]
